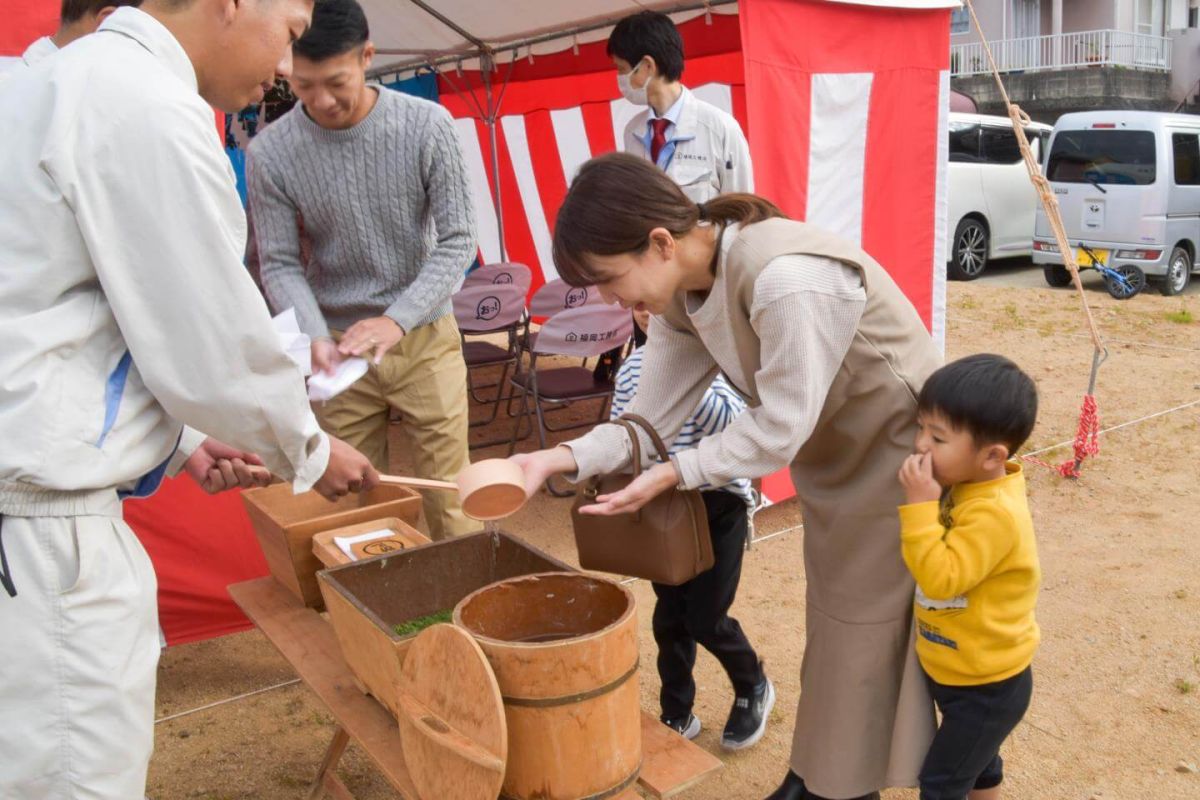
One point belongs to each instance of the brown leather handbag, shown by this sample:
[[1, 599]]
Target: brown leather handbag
[[665, 541]]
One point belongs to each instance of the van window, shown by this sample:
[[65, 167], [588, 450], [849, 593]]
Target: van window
[[1103, 156], [964, 142], [1187, 158], [1000, 146]]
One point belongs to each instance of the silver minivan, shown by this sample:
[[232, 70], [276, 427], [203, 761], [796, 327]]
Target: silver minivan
[[1128, 185]]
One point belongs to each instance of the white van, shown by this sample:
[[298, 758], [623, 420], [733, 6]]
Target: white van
[[1128, 184], [991, 199]]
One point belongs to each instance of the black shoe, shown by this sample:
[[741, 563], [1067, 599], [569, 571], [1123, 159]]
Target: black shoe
[[748, 718], [792, 788], [688, 727], [810, 796]]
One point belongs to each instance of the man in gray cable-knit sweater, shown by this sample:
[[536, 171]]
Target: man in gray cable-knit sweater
[[378, 179]]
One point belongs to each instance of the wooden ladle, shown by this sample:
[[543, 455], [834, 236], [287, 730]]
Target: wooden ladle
[[488, 489]]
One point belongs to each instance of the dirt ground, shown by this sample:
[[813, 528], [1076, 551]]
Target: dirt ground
[[1116, 709]]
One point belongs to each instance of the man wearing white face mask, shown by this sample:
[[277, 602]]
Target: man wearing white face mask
[[700, 147]]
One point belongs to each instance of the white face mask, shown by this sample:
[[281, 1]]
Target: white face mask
[[625, 83]]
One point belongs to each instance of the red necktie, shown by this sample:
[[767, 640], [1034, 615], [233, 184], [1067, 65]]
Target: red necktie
[[659, 140]]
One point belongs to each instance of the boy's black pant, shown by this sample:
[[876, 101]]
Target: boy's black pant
[[698, 612], [976, 720]]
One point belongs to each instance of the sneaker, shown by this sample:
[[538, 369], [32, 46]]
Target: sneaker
[[748, 717], [688, 727]]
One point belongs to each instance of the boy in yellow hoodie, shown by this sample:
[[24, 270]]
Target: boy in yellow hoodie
[[967, 537]]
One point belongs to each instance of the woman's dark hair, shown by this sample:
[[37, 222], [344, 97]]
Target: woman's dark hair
[[648, 33], [338, 26], [986, 395], [616, 200]]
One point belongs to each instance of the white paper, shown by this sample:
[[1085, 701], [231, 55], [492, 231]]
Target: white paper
[[323, 386], [296, 344], [346, 543]]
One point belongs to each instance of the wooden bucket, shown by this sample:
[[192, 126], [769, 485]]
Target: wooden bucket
[[564, 649]]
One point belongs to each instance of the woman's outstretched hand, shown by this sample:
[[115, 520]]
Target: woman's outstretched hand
[[641, 490]]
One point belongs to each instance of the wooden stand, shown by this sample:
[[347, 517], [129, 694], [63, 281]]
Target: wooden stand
[[670, 765]]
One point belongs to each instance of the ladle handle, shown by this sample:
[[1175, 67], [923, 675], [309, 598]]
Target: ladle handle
[[417, 483]]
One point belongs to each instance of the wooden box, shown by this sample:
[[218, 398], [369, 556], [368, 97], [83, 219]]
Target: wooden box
[[367, 599], [285, 524], [328, 553]]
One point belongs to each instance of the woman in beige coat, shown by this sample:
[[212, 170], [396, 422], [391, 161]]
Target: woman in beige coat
[[830, 355]]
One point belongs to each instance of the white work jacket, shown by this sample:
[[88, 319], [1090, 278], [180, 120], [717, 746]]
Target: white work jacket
[[705, 153], [125, 310], [40, 48]]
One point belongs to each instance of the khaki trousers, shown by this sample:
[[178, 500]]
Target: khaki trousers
[[425, 379]]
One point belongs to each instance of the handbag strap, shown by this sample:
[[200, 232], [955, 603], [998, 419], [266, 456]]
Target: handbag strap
[[653, 434], [637, 455]]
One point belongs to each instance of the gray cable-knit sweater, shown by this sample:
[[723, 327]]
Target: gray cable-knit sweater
[[386, 205]]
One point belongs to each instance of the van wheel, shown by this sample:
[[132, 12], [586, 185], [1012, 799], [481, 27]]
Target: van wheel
[[1056, 276], [1179, 272], [970, 251], [1135, 281]]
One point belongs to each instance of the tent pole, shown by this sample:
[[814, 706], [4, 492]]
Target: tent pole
[[486, 64]]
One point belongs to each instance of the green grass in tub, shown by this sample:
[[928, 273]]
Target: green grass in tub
[[421, 623]]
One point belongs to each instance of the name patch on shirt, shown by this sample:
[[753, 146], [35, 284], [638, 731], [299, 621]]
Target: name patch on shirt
[[930, 633]]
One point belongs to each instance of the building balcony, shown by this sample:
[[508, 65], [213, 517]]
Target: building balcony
[[1078, 50]]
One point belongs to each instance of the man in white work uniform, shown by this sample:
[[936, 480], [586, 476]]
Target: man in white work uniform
[[125, 312], [700, 146], [76, 19]]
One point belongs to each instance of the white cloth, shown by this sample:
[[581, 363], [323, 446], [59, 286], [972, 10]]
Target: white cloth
[[706, 152], [80, 652], [124, 305], [322, 386], [805, 311]]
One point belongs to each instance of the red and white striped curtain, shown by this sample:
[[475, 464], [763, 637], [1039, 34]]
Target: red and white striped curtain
[[556, 113], [540, 152]]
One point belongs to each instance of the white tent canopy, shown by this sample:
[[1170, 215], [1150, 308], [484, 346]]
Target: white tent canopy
[[412, 33]]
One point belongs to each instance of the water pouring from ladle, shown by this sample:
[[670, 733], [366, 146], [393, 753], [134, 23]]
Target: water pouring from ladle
[[488, 489]]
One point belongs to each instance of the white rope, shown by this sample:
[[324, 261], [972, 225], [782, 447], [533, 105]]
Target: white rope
[[755, 540], [292, 682], [1116, 427]]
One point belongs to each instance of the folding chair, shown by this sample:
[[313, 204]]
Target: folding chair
[[585, 331], [555, 297], [489, 308], [503, 272], [511, 273], [558, 295]]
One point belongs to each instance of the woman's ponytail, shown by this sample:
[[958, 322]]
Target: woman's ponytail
[[744, 209]]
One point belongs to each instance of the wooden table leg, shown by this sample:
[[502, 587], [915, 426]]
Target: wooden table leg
[[327, 779]]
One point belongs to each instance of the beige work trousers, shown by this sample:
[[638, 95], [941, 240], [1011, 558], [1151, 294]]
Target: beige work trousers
[[81, 647], [425, 379]]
